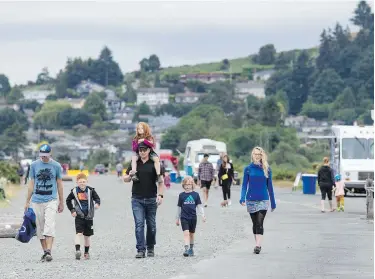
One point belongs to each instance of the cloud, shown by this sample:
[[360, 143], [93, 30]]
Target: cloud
[[38, 34]]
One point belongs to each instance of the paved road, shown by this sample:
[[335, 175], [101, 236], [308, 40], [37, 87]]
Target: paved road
[[300, 242]]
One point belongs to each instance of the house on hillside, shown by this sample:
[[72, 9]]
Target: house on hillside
[[204, 77], [161, 123], [263, 75], [187, 97], [244, 89], [113, 103], [153, 97], [87, 87], [37, 95]]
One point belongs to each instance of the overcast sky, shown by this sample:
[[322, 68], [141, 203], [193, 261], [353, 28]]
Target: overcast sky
[[34, 35]]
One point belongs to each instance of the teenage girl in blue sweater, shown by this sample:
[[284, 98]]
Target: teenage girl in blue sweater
[[257, 191]]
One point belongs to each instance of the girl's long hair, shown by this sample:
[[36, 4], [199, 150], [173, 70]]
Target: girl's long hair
[[224, 164], [263, 161], [146, 132]]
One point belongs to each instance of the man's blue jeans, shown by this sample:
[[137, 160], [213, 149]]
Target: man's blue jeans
[[144, 210]]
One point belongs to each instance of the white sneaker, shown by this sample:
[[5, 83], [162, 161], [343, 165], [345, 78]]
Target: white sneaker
[[229, 202]]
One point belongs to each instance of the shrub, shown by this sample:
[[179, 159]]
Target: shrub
[[9, 171]]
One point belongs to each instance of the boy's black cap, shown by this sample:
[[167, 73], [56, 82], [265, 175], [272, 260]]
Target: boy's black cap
[[206, 155]]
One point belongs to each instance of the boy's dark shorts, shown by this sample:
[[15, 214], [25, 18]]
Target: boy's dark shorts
[[206, 184], [189, 225], [84, 226]]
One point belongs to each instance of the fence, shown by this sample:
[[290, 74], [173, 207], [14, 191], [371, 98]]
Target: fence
[[369, 186]]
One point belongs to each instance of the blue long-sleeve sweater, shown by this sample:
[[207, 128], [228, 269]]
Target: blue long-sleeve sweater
[[255, 186]]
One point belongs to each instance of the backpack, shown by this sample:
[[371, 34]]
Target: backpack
[[28, 228]]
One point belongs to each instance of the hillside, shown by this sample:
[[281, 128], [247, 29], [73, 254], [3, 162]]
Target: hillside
[[237, 64]]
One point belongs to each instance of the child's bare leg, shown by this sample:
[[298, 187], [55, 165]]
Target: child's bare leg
[[157, 167], [157, 164], [134, 164], [78, 239]]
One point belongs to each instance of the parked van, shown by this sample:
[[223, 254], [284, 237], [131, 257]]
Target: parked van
[[195, 150]]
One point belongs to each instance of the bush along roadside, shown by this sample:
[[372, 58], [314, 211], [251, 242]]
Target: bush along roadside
[[9, 172], [3, 183]]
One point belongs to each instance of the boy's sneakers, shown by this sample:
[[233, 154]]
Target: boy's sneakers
[[86, 256], [78, 255], [188, 253]]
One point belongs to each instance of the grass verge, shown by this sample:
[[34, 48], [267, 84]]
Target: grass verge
[[11, 191]]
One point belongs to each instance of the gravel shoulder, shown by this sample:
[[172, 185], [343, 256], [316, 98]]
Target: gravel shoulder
[[298, 240]]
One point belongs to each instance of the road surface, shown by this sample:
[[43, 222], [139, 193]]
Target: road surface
[[300, 242]]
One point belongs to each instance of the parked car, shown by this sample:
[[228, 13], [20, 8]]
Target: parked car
[[100, 168]]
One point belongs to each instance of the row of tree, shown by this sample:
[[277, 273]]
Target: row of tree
[[339, 83]]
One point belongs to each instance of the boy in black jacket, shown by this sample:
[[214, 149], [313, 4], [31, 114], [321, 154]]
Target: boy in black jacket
[[82, 202]]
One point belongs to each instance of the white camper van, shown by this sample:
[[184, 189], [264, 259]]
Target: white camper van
[[195, 150], [352, 155]]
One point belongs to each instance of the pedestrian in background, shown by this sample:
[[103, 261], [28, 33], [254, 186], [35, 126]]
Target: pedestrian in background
[[326, 182], [226, 177]]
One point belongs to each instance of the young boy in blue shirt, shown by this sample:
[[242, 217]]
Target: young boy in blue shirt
[[188, 202]]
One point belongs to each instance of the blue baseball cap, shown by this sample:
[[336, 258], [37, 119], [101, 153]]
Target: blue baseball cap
[[337, 177], [45, 150]]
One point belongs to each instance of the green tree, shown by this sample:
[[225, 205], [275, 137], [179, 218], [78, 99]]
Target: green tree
[[4, 85], [266, 55], [316, 111], [153, 63], [44, 77], [14, 96], [48, 116], [100, 156], [105, 70], [9, 116], [363, 17], [13, 139], [345, 100], [61, 85], [71, 117], [327, 87], [225, 65], [144, 64], [95, 106], [271, 115]]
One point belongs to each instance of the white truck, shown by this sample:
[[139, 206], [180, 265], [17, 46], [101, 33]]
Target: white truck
[[352, 155]]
